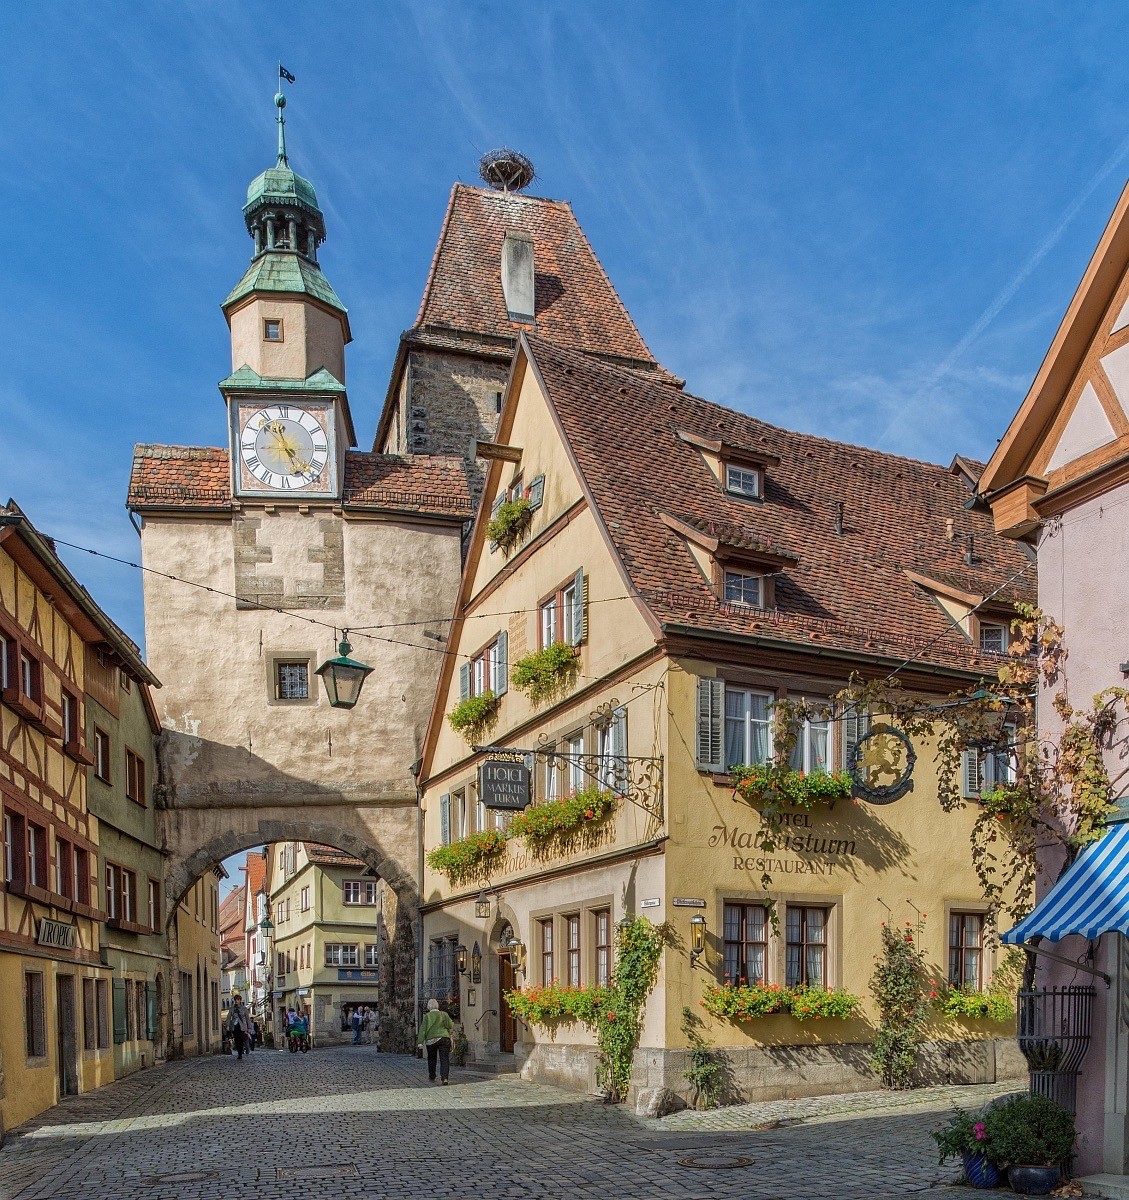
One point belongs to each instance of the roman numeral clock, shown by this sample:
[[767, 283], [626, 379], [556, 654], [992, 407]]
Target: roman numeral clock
[[284, 449]]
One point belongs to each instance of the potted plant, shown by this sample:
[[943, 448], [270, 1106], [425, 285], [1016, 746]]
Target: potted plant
[[546, 674], [966, 1138], [474, 716], [1032, 1137], [510, 520]]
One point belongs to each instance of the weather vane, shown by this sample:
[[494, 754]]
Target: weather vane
[[280, 104]]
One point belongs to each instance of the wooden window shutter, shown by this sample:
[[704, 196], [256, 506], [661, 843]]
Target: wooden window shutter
[[445, 819], [501, 684], [120, 1029], [711, 706], [578, 617], [970, 774], [536, 493], [464, 681], [855, 725]]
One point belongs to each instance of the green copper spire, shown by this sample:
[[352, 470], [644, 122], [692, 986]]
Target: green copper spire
[[280, 102]]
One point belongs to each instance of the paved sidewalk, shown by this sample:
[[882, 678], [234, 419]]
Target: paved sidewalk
[[349, 1122]]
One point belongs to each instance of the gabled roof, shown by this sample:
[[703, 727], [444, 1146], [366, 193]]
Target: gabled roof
[[1077, 330], [198, 479], [330, 856], [231, 912], [848, 591], [255, 874]]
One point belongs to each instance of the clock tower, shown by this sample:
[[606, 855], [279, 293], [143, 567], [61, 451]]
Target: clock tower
[[288, 413]]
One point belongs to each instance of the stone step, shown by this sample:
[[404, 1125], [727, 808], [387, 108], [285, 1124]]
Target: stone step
[[1113, 1187], [494, 1066]]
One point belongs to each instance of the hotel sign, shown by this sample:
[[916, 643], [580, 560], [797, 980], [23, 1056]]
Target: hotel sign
[[505, 784], [57, 934]]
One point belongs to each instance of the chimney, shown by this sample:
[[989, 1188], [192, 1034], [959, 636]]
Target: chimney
[[517, 276]]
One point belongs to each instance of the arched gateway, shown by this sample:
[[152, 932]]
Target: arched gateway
[[257, 553]]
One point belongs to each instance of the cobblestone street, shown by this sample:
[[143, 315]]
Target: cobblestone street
[[348, 1122]]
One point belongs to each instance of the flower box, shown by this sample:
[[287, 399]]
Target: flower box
[[546, 674]]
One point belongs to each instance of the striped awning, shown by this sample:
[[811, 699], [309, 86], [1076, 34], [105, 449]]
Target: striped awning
[[1092, 898]]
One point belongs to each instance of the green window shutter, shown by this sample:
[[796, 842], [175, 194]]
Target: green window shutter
[[577, 617], [464, 681], [445, 819], [970, 774], [502, 661], [536, 493], [711, 725], [120, 1020]]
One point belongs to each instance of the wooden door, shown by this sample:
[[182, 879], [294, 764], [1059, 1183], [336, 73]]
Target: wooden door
[[67, 1036], [507, 1035]]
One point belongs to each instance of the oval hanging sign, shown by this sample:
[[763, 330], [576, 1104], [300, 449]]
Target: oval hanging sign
[[881, 765]]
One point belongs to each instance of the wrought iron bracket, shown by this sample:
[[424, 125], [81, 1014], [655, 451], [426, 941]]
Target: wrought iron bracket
[[1070, 962]]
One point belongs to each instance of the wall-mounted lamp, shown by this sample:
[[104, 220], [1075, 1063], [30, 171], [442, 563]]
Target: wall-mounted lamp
[[625, 922], [482, 907], [460, 958], [517, 954], [697, 937]]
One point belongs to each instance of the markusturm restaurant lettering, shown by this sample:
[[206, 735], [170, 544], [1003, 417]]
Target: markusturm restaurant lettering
[[730, 836]]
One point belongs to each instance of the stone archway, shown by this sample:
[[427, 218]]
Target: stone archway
[[345, 830]]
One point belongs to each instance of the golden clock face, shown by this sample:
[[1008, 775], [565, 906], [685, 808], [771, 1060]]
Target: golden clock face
[[284, 447]]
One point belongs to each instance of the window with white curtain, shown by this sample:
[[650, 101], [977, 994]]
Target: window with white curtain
[[748, 727]]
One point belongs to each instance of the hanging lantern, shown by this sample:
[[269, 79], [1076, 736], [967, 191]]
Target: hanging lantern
[[343, 678]]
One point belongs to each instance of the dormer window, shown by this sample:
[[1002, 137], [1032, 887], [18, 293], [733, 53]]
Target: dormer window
[[993, 638], [743, 481], [744, 588]]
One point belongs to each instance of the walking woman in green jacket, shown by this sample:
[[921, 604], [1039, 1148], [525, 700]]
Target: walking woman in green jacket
[[435, 1033]]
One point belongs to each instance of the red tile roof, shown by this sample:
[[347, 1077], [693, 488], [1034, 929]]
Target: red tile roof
[[330, 856], [256, 872], [846, 590], [576, 304], [231, 915], [198, 478]]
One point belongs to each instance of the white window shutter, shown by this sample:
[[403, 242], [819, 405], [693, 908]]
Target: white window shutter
[[970, 774], [445, 819], [464, 681], [711, 706], [536, 493], [501, 683]]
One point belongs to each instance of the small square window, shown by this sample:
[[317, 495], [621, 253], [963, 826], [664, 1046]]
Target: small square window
[[292, 680], [743, 481], [272, 329], [993, 638], [747, 590]]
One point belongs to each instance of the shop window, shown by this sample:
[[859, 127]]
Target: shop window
[[102, 754], [102, 1000], [602, 937], [745, 942], [572, 948], [89, 1020], [805, 946], [546, 935], [35, 1022], [966, 950]]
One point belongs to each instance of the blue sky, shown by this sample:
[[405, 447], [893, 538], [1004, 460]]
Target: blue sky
[[859, 220]]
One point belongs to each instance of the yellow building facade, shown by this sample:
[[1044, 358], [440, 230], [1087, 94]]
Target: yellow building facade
[[701, 566], [196, 999], [57, 1038]]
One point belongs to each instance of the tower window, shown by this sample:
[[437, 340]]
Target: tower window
[[272, 329]]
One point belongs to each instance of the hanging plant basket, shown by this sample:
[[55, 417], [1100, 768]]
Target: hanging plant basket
[[474, 717], [546, 674], [509, 524]]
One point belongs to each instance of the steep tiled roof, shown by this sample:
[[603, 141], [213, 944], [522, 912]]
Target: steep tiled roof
[[199, 477], [256, 872], [846, 590], [576, 304], [330, 856], [231, 913]]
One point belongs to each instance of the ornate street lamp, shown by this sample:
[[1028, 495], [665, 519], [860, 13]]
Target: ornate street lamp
[[343, 678], [482, 907]]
